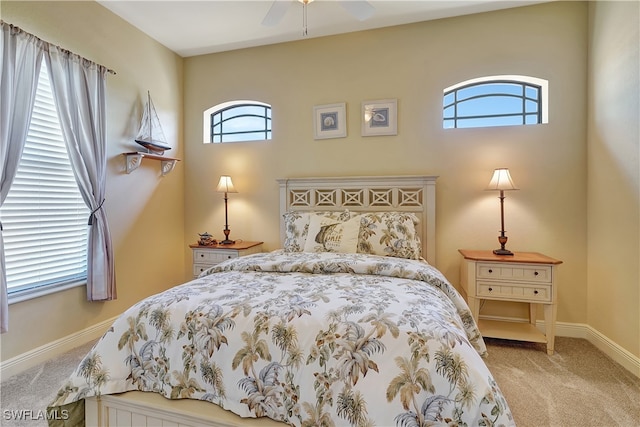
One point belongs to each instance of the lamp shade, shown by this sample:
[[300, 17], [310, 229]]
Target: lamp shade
[[501, 180], [225, 185]]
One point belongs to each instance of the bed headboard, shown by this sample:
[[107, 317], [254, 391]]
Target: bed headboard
[[410, 193]]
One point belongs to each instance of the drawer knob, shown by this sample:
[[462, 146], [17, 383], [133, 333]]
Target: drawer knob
[[228, 256], [490, 289], [201, 255], [490, 271], [535, 273], [535, 292]]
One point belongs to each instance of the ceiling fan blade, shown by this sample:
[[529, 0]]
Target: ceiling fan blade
[[360, 9], [276, 12]]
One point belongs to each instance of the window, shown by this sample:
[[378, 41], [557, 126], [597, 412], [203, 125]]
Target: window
[[496, 101], [44, 216], [237, 121]]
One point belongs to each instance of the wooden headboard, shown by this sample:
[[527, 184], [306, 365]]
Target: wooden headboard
[[412, 193]]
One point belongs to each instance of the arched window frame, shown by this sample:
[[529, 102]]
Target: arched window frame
[[526, 81], [210, 136]]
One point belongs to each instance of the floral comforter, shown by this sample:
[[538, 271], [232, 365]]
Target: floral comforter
[[309, 339]]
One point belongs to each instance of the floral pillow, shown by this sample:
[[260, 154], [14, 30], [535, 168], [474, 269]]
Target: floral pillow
[[330, 235], [297, 225], [390, 234]]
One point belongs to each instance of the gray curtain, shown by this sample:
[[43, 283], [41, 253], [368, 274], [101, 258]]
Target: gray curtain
[[20, 62], [79, 89]]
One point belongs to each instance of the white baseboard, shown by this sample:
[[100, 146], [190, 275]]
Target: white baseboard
[[31, 358], [43, 353], [614, 351], [600, 341]]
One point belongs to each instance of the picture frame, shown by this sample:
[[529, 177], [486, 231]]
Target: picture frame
[[380, 117], [330, 121]]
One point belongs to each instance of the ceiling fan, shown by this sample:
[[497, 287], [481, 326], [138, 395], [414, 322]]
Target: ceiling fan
[[359, 9]]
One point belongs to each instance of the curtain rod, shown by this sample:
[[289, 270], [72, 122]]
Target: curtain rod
[[20, 30]]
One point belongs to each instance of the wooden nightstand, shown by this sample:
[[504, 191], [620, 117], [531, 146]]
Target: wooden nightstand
[[208, 256], [523, 277]]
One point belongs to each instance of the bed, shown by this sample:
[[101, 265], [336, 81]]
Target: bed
[[349, 324]]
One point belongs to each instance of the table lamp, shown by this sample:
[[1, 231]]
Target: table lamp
[[226, 186], [501, 180]]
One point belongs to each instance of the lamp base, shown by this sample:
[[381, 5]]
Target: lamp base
[[502, 252], [226, 240], [503, 241]]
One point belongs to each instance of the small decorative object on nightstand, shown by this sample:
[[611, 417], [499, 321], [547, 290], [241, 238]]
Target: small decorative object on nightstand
[[501, 180], [522, 277], [206, 239], [205, 257]]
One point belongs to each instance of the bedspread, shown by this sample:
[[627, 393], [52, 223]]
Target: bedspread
[[309, 339]]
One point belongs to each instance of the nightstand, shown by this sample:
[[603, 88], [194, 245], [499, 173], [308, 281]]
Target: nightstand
[[522, 277], [208, 256]]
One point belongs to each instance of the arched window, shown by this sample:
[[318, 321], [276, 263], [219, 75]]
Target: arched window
[[237, 121], [496, 101]]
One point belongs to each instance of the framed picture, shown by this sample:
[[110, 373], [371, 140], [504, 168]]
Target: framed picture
[[330, 121], [380, 117]]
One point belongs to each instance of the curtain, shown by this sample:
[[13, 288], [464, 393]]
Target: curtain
[[79, 90], [20, 63]]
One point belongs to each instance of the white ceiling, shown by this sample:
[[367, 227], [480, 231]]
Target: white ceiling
[[199, 27]]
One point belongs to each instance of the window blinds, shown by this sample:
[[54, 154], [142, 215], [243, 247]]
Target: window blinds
[[44, 217]]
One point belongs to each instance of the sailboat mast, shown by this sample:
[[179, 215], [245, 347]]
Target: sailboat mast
[[149, 117]]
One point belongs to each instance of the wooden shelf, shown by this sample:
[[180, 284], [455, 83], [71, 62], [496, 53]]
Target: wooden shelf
[[516, 331], [134, 159]]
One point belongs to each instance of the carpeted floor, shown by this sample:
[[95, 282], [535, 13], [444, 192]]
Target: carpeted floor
[[24, 397], [578, 386]]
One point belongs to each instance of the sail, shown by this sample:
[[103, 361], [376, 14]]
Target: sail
[[150, 134]]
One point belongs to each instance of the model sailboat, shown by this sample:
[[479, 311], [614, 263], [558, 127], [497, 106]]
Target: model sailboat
[[150, 134]]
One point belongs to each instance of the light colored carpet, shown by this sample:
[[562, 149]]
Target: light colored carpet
[[24, 397], [578, 386]]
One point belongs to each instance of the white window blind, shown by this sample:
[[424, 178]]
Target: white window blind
[[44, 217]]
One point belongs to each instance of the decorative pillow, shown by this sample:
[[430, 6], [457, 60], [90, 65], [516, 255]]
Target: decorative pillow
[[389, 234], [330, 235], [297, 224]]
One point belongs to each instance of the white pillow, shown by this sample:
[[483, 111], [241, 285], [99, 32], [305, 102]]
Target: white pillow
[[330, 235]]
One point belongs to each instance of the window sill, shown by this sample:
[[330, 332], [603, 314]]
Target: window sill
[[28, 294]]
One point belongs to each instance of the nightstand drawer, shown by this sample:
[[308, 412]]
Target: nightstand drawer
[[518, 272], [208, 256], [513, 292], [199, 268], [205, 256]]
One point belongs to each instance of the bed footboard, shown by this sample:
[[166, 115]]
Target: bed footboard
[[138, 409]]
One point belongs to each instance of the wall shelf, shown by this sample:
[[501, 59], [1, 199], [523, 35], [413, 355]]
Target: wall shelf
[[134, 159]]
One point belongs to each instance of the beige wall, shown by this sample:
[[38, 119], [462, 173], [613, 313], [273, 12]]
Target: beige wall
[[145, 211], [412, 63], [613, 268]]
